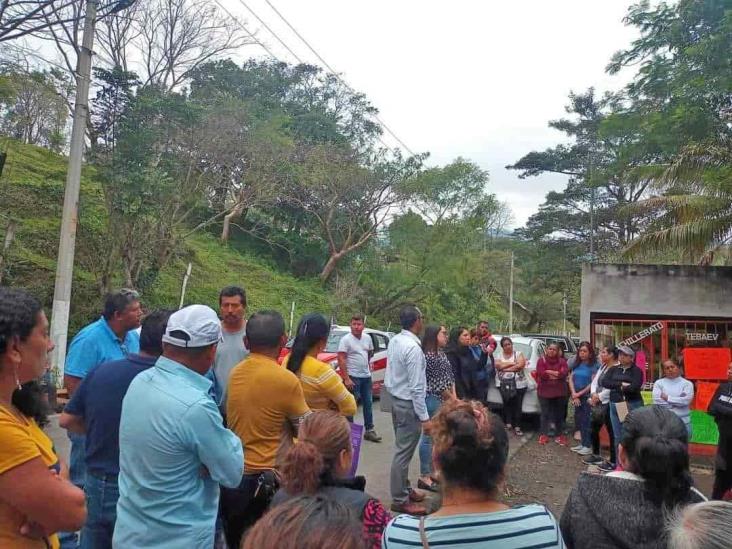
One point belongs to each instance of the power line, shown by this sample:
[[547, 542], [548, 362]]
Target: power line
[[251, 35], [331, 69], [273, 33]]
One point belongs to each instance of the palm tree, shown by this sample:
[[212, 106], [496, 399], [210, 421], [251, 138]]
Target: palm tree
[[694, 210]]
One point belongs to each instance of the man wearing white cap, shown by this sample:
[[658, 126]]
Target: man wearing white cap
[[174, 449]]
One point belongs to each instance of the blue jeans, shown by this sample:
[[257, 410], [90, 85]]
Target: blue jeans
[[77, 475], [615, 420], [425, 444], [362, 391], [102, 493], [582, 420]]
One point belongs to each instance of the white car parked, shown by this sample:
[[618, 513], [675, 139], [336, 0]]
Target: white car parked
[[532, 349]]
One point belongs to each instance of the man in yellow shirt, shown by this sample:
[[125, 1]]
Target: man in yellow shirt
[[262, 397]]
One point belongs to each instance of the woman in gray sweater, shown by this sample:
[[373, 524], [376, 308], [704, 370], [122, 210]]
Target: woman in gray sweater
[[625, 509]]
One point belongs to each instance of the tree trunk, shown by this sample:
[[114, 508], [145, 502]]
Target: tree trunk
[[227, 221], [9, 236], [330, 266]]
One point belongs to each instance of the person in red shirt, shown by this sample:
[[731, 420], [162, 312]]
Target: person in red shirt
[[552, 371]]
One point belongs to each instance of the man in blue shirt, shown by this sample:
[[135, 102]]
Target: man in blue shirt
[[95, 410], [112, 337], [174, 448]]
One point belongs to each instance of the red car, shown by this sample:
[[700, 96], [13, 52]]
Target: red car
[[330, 354]]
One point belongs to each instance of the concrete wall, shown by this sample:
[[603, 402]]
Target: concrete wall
[[678, 290]]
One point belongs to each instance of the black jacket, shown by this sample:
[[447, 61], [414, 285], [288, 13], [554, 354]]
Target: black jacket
[[349, 492], [720, 407], [613, 513], [614, 378], [472, 375]]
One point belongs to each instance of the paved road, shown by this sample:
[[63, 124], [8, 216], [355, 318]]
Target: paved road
[[375, 459]]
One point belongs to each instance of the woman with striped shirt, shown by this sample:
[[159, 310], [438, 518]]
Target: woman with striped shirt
[[470, 449], [322, 386]]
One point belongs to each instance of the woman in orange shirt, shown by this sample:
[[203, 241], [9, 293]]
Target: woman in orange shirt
[[36, 500]]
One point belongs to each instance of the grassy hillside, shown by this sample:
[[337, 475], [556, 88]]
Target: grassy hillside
[[31, 192]]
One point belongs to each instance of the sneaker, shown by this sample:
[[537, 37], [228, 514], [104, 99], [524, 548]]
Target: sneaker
[[585, 451], [561, 440], [576, 448], [371, 436], [408, 508], [543, 439], [592, 460], [606, 467]]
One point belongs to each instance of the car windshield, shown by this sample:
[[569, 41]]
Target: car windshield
[[523, 348], [333, 340]]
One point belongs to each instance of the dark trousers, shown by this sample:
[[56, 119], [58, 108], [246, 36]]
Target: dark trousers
[[552, 415], [597, 421], [240, 510], [362, 391], [102, 493], [722, 483], [582, 420], [512, 408]]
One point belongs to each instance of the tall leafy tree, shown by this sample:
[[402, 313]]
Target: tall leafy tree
[[682, 102], [601, 161]]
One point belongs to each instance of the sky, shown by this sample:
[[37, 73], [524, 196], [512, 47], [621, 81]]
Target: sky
[[473, 78]]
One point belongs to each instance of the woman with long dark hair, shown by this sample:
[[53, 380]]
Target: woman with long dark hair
[[440, 387], [36, 498], [322, 386], [626, 509], [512, 383], [318, 464], [471, 374], [584, 369], [600, 411]]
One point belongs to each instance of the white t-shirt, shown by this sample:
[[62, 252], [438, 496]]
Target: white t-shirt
[[357, 354]]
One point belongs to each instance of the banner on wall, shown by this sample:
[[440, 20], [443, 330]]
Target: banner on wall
[[707, 363], [703, 394]]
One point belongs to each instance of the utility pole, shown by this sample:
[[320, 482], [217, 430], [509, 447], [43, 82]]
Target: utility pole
[[510, 300], [69, 220], [564, 314]]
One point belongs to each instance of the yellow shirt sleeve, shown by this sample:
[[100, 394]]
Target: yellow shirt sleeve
[[332, 385], [16, 444]]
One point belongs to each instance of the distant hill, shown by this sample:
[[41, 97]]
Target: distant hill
[[31, 192]]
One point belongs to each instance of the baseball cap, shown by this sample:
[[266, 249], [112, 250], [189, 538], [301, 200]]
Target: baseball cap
[[624, 349], [193, 326]]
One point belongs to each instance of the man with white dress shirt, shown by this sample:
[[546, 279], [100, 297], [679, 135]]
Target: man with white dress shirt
[[405, 381]]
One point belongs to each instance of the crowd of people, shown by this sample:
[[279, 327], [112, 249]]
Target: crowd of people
[[190, 433]]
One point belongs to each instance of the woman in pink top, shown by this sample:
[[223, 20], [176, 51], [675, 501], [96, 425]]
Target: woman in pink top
[[552, 371]]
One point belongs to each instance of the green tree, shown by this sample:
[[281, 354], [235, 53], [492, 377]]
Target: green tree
[[602, 164], [680, 101], [33, 109]]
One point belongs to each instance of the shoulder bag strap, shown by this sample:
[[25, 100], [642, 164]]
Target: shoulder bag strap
[[423, 534]]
